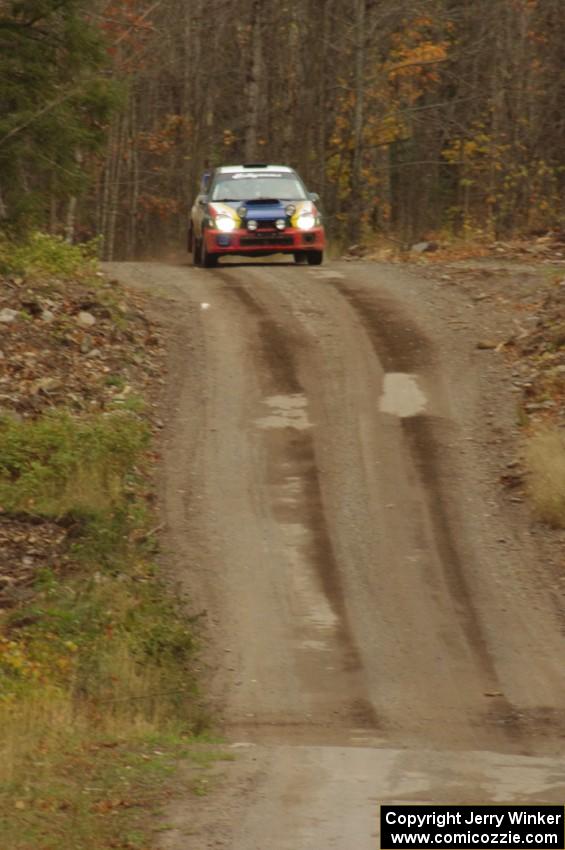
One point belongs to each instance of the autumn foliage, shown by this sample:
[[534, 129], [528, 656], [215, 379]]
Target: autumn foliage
[[439, 117]]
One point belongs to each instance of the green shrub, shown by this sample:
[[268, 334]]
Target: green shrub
[[116, 643], [43, 255], [59, 465]]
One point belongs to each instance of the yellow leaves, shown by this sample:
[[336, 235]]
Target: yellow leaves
[[422, 22], [452, 153], [392, 84], [410, 61], [502, 174], [12, 656], [414, 68], [34, 663], [480, 151], [543, 169], [164, 138], [342, 122], [414, 59], [229, 138], [387, 130], [409, 71]]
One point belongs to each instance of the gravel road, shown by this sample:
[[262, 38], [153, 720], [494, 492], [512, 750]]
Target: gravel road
[[383, 625]]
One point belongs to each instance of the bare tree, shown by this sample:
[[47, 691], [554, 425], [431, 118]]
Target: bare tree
[[406, 117], [254, 81]]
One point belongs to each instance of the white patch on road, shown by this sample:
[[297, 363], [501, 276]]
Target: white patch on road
[[402, 396], [287, 411], [311, 603], [317, 622], [329, 797], [326, 273], [204, 305]]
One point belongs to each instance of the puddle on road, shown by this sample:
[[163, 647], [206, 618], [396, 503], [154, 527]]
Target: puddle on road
[[287, 411], [402, 395]]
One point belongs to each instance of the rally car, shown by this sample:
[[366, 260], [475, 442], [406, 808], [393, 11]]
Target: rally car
[[255, 210]]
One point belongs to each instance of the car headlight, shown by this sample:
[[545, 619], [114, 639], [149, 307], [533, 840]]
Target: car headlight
[[223, 217], [305, 221], [305, 216], [225, 223]]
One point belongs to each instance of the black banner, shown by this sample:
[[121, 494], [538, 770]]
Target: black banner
[[478, 827]]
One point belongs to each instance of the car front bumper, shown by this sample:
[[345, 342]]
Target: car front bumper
[[259, 242]]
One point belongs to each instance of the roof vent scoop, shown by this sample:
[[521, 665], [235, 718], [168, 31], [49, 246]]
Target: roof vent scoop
[[256, 165]]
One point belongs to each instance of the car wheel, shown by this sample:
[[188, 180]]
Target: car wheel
[[196, 251], [315, 258], [207, 260], [299, 257]]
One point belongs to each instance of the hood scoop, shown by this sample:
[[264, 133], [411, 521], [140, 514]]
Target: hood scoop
[[264, 202]]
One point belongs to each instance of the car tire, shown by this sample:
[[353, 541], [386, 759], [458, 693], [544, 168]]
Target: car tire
[[299, 257], [207, 260], [315, 258], [196, 251]]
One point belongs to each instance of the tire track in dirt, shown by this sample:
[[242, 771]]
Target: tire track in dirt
[[292, 457], [298, 775], [401, 347]]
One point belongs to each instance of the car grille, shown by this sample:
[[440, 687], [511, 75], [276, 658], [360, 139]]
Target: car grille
[[265, 224], [266, 238]]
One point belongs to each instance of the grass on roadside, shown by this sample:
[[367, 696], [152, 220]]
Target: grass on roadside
[[95, 792], [98, 661], [99, 701], [96, 658], [58, 466], [545, 461]]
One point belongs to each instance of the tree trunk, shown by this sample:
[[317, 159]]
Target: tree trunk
[[254, 79], [322, 98], [72, 208], [356, 197]]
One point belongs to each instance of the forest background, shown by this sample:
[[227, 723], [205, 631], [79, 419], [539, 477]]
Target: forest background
[[410, 118]]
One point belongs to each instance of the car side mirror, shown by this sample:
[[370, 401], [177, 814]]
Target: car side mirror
[[314, 197]]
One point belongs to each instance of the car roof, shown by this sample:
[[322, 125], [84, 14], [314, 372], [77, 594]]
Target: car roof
[[253, 166]]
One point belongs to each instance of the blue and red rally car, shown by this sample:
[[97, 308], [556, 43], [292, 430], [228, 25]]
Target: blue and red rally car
[[255, 210]]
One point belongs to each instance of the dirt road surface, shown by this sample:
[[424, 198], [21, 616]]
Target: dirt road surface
[[383, 624]]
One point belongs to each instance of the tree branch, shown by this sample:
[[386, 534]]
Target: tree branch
[[73, 90]]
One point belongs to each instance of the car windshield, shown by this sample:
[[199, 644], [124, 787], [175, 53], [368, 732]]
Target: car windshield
[[243, 186]]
